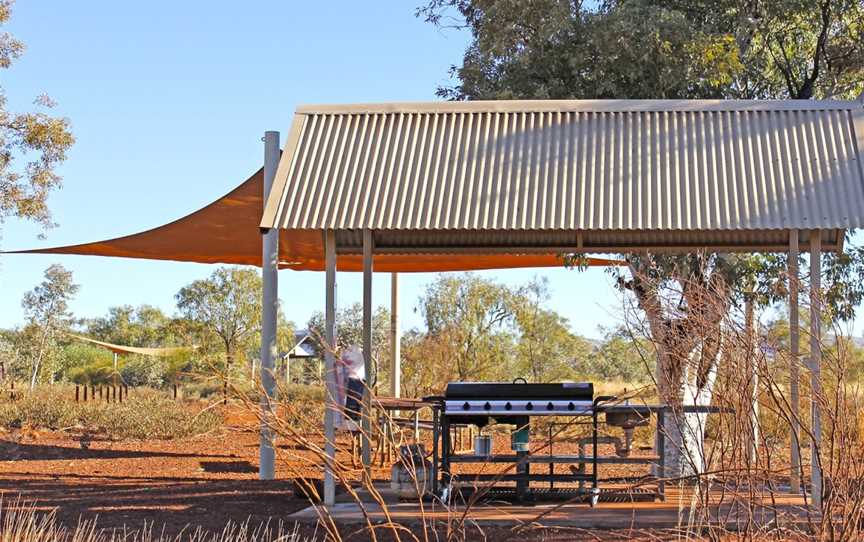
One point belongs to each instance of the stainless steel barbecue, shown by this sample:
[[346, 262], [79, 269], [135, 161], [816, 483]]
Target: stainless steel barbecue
[[514, 404]]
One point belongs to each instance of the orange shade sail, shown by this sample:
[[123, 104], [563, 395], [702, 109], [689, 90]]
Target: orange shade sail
[[227, 232]]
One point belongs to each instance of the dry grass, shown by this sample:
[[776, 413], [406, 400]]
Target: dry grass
[[21, 522], [145, 414]]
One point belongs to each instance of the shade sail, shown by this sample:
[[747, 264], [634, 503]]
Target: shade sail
[[121, 349], [227, 231]]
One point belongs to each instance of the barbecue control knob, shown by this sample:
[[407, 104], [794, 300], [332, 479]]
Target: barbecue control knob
[[550, 406], [466, 406], [487, 406], [508, 406], [529, 406], [571, 406]]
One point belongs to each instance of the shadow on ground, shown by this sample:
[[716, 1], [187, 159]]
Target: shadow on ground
[[10, 450], [176, 502]]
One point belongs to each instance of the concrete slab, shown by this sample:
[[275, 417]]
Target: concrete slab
[[659, 515]]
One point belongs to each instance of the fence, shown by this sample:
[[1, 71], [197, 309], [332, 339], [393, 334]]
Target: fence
[[108, 394]]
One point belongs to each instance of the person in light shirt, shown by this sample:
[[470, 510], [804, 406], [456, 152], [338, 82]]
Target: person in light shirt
[[354, 380]]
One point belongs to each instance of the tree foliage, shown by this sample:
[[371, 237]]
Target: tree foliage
[[557, 49], [620, 357], [546, 349], [227, 303], [478, 329], [46, 308], [473, 317], [144, 326], [32, 145]]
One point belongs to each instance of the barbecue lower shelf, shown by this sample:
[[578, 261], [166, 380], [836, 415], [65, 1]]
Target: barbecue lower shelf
[[610, 495], [508, 458]]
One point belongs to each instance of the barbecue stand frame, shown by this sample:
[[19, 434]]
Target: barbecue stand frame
[[444, 457], [441, 463]]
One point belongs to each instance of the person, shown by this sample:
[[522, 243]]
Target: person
[[354, 371]]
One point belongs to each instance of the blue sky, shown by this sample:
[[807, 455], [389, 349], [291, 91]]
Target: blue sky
[[168, 102]]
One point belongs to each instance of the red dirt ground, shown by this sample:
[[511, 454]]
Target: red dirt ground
[[200, 481], [205, 480]]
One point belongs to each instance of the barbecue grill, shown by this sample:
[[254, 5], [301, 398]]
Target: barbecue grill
[[515, 403]]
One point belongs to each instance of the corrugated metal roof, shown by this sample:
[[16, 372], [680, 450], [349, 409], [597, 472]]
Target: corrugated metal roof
[[592, 166]]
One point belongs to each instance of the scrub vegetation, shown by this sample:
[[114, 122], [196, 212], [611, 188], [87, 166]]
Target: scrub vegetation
[[145, 414], [474, 328]]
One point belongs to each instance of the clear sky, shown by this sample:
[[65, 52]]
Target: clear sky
[[168, 102]]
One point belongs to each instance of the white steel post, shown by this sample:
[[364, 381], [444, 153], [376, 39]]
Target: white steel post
[[794, 355], [816, 365], [331, 409], [395, 338], [269, 309], [365, 448]]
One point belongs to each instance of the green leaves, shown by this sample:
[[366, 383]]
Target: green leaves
[[47, 304], [228, 303], [26, 184], [655, 49]]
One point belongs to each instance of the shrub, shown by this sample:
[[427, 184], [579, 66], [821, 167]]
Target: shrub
[[98, 372], [145, 414], [143, 371]]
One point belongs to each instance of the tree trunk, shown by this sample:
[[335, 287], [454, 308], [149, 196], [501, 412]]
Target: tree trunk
[[37, 363], [688, 346], [35, 373], [682, 385], [229, 361]]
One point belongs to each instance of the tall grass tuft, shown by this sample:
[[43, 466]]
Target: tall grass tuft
[[20, 521]]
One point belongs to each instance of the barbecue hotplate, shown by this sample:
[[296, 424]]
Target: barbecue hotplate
[[518, 399], [517, 390]]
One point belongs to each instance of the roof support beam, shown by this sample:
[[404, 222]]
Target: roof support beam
[[365, 448], [331, 409], [395, 339], [794, 361], [816, 365], [269, 309]]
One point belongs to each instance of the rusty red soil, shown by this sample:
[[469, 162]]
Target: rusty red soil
[[202, 481]]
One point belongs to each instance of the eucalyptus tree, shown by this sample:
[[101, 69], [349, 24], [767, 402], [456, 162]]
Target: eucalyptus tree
[[546, 349], [557, 49], [46, 309], [32, 145], [472, 319], [674, 49], [227, 304], [132, 326]]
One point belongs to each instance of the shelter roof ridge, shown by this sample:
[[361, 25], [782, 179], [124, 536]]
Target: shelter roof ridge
[[609, 106]]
